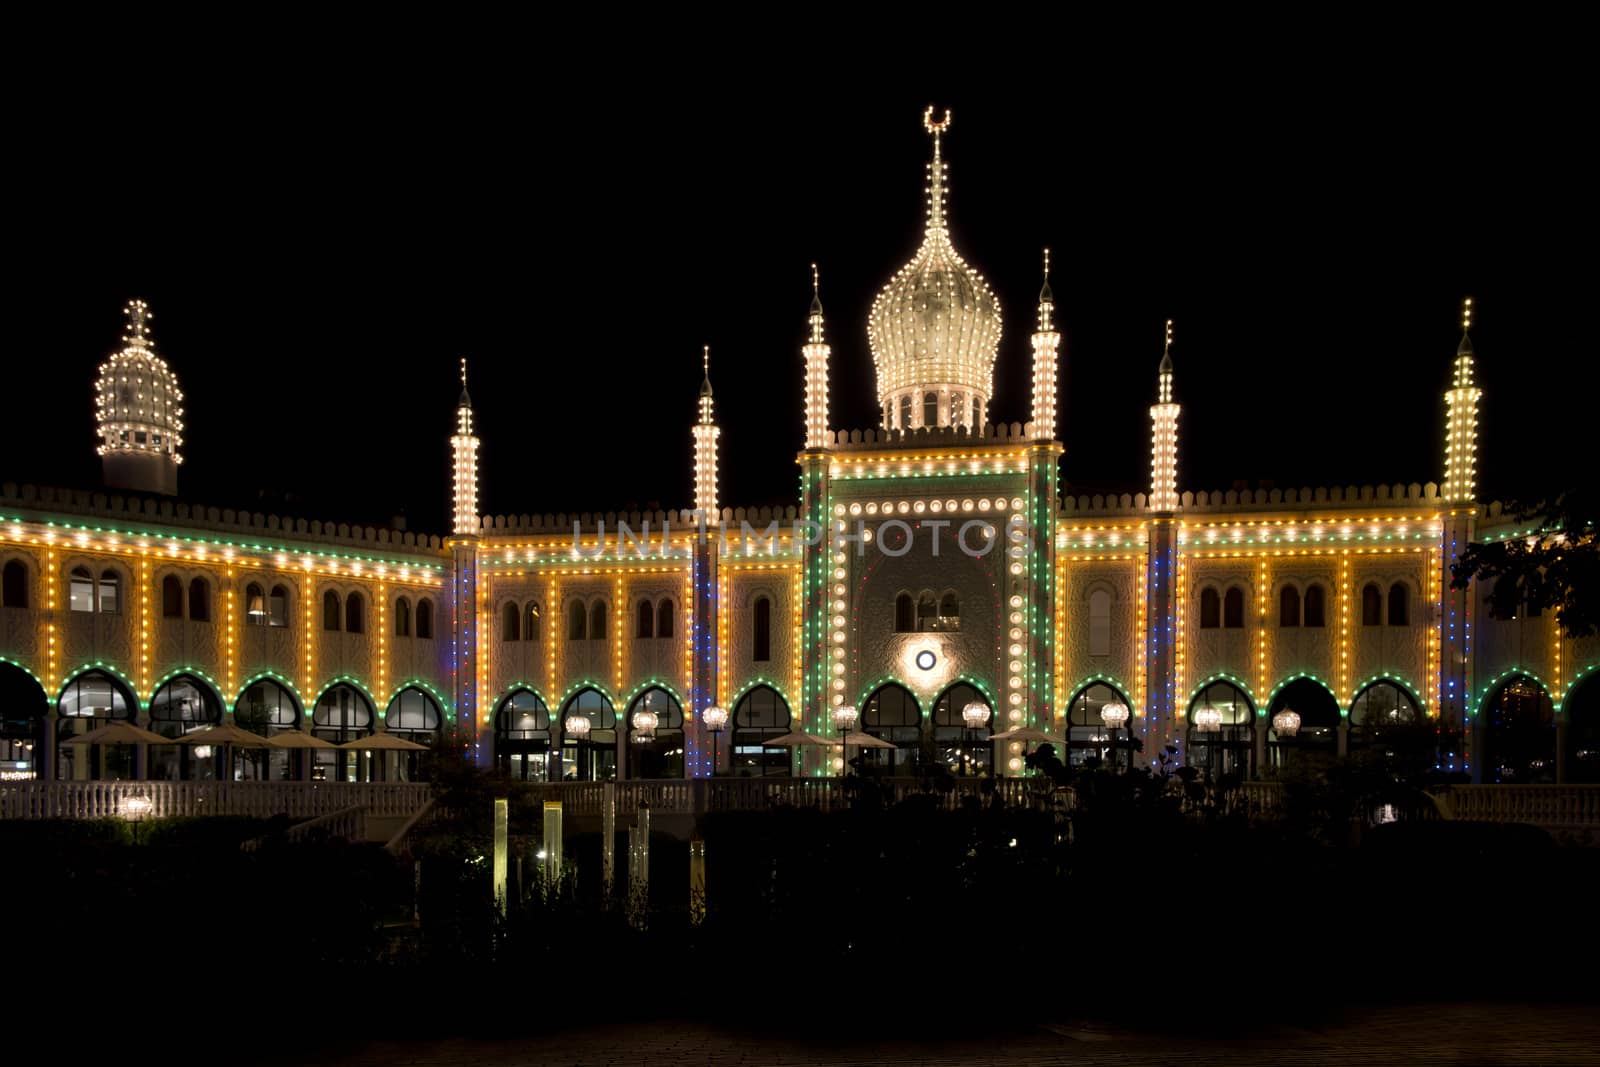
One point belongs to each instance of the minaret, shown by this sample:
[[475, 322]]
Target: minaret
[[1458, 750], [1461, 422], [705, 450], [703, 580], [1046, 342], [816, 352], [139, 412], [1158, 722], [464, 591], [1164, 439]]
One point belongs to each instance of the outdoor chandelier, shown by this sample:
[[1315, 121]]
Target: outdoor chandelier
[[1286, 723], [975, 715], [645, 722], [1114, 715], [715, 718], [1208, 720], [578, 726]]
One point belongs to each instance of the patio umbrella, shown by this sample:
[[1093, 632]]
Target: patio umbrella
[[795, 739], [861, 740], [1028, 733], [221, 735], [119, 733], [298, 739], [383, 743]]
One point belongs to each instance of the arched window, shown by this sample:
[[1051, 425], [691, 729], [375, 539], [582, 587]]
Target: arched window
[[522, 736], [977, 413], [1230, 748], [1399, 605], [23, 710], [14, 587], [905, 614], [267, 708], [511, 622], [110, 592], [762, 645], [199, 600], [905, 413], [172, 597], [1319, 720], [927, 611], [402, 617], [278, 606], [662, 755], [530, 629], [183, 705], [1519, 734], [949, 612], [1371, 605], [342, 714], [1233, 608], [355, 609], [593, 759], [930, 409], [1316, 605], [330, 610], [647, 620], [1210, 609], [1289, 606], [414, 715], [577, 621], [425, 618], [255, 606], [760, 715], [958, 413], [1100, 622], [1385, 718], [891, 714], [80, 586], [1088, 738], [954, 745], [664, 618], [89, 701], [597, 621], [1582, 708]]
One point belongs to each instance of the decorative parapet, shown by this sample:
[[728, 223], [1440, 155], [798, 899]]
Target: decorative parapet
[[681, 520], [1015, 433], [1234, 499]]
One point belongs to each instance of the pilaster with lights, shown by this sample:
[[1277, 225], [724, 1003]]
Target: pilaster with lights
[[1159, 724], [1044, 457], [1458, 529], [465, 528], [817, 585], [703, 581]]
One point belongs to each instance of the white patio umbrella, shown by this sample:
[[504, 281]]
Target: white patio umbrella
[[221, 735], [861, 740], [383, 743], [1028, 733], [298, 739], [795, 739], [118, 733]]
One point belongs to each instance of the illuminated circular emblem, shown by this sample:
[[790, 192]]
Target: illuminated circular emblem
[[926, 660]]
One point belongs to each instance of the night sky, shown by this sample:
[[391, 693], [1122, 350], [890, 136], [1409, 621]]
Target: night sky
[[319, 251]]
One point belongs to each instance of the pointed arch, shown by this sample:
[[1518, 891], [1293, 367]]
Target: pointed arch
[[646, 614], [891, 712], [759, 713], [577, 621], [24, 707], [355, 613], [956, 745], [664, 623], [663, 756], [330, 610], [530, 622], [597, 620], [591, 758], [90, 699], [523, 728], [1210, 608], [181, 704], [510, 621], [199, 599], [1230, 748], [402, 617], [1516, 721], [427, 687], [14, 587], [171, 596], [1316, 605], [1088, 740], [425, 619], [1289, 606]]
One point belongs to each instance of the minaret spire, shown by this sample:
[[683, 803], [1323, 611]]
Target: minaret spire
[[464, 448], [936, 176], [816, 352], [705, 435], [1164, 438], [1461, 422], [1046, 345]]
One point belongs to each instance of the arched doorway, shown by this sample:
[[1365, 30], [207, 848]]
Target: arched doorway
[[891, 714], [1583, 732], [268, 709], [660, 755], [1088, 740], [1319, 721], [342, 714], [592, 758], [1517, 725], [23, 706], [522, 736], [760, 714], [181, 706], [967, 752], [1386, 722], [92, 700], [1224, 742], [414, 715]]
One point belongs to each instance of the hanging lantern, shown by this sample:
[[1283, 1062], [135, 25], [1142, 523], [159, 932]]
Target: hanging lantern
[[645, 722], [578, 727], [1208, 720], [975, 715], [258, 606], [844, 717], [715, 718], [1286, 723], [1114, 715]]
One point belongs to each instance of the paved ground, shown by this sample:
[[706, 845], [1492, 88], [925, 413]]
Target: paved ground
[[1545, 1035]]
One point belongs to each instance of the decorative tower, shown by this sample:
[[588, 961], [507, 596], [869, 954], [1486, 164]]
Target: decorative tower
[[1046, 343], [1044, 455], [139, 412], [935, 328], [1457, 750], [1159, 716], [464, 596], [703, 577], [816, 352]]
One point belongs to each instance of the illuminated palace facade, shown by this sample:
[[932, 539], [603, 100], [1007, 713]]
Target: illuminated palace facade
[[931, 562]]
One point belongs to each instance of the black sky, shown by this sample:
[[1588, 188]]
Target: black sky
[[321, 239]]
